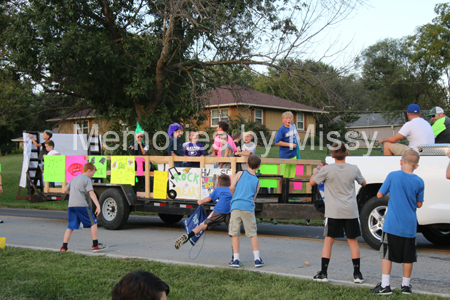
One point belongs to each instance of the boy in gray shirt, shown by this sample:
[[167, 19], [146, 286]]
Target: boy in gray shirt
[[80, 189], [341, 209]]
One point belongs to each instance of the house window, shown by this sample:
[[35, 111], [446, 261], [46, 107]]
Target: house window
[[83, 126], [218, 115], [300, 121], [259, 116]]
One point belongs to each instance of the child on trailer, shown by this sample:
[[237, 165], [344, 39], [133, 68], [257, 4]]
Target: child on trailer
[[220, 213], [193, 149], [175, 144]]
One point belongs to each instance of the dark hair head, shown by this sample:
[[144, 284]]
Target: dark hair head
[[339, 150], [50, 143], [254, 161], [89, 166], [411, 157], [49, 133], [236, 135], [224, 125], [224, 180], [139, 285]]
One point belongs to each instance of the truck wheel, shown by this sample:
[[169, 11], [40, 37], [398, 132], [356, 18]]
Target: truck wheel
[[372, 219], [170, 219], [114, 210], [436, 236]]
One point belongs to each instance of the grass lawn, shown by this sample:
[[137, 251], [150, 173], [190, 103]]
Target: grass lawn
[[32, 274]]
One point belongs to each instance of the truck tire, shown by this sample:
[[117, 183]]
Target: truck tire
[[372, 219], [170, 219], [114, 210], [436, 236]]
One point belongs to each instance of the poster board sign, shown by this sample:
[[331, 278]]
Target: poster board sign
[[186, 182], [100, 163], [160, 184], [74, 166], [122, 170], [299, 171], [55, 168], [268, 170], [209, 180]]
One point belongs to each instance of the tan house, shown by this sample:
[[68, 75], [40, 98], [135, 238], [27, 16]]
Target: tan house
[[375, 127], [225, 103], [228, 102], [85, 119]]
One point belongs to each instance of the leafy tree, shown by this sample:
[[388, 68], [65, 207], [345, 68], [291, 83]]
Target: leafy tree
[[152, 60], [432, 41], [396, 80]]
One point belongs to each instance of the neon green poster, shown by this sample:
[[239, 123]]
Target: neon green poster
[[268, 170], [100, 164], [54, 168], [122, 170]]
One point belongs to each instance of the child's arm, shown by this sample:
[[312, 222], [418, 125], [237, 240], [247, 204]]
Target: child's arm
[[380, 195], [364, 183], [448, 167], [94, 199], [34, 142], [312, 182], [419, 204], [227, 152], [205, 200], [284, 144], [235, 180], [257, 191]]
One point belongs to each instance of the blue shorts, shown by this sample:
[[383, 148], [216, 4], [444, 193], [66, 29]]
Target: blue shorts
[[79, 215]]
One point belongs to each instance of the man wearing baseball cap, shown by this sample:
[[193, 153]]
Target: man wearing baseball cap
[[441, 125], [416, 130]]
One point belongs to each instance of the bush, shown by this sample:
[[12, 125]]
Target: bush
[[258, 128]]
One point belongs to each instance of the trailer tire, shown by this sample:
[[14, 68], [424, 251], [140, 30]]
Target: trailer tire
[[372, 218], [170, 219], [436, 236], [114, 210]]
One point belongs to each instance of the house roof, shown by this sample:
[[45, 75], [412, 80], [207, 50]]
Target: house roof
[[374, 120], [237, 95], [81, 114]]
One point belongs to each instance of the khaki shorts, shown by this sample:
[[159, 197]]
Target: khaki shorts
[[242, 216], [399, 149]]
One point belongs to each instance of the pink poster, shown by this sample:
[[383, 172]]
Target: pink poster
[[74, 166], [139, 166], [299, 171]]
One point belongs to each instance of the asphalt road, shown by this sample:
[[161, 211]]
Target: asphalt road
[[285, 249]]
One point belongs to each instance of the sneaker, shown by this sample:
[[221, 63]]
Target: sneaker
[[259, 263], [358, 278], [273, 222], [381, 290], [234, 263], [181, 241], [406, 289], [320, 276], [63, 249], [99, 248]]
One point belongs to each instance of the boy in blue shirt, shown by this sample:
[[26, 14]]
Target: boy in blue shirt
[[286, 139], [398, 239], [244, 188], [220, 213]]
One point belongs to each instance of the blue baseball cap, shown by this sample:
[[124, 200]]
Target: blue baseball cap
[[413, 108]]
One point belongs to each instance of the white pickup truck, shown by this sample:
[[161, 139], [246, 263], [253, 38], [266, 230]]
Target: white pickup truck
[[434, 216]]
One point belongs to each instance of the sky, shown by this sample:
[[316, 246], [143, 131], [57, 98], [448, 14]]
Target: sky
[[381, 19]]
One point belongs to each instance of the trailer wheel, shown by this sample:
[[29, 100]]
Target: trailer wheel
[[436, 236], [170, 219], [114, 210], [372, 220]]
